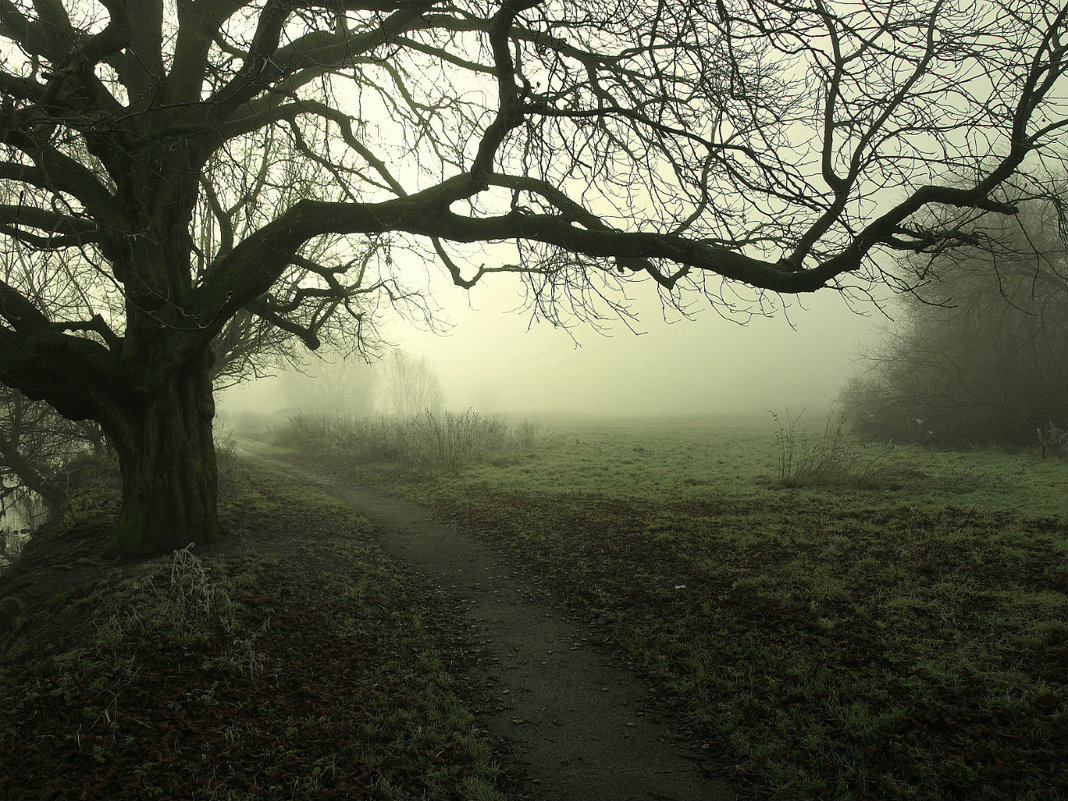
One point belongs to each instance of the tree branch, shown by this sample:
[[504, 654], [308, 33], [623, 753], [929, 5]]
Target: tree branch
[[64, 231], [319, 51]]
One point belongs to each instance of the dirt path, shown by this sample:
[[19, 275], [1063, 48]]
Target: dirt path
[[582, 722]]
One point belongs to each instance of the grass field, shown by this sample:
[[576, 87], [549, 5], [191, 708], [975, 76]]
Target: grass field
[[871, 622]]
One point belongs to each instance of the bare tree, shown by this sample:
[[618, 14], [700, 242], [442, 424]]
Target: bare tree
[[410, 387], [727, 151], [332, 384], [38, 446]]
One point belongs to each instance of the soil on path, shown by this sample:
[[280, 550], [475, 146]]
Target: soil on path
[[584, 725]]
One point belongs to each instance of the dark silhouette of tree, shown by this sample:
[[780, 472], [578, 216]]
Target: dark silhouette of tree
[[728, 151], [980, 352], [38, 447]]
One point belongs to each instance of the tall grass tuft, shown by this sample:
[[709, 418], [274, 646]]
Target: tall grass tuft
[[429, 441], [193, 598], [225, 450], [1053, 439], [832, 457]]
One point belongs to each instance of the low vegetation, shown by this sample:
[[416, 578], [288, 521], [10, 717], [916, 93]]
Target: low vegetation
[[904, 636], [426, 441], [833, 456], [842, 620], [291, 662]]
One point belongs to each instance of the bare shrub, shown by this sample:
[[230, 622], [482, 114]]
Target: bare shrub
[[193, 608], [1052, 439], [831, 457], [12, 541], [429, 441], [225, 450]]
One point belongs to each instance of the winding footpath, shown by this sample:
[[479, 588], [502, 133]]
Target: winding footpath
[[582, 723]]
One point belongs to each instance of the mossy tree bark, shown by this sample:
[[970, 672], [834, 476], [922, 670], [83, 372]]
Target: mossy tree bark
[[167, 457]]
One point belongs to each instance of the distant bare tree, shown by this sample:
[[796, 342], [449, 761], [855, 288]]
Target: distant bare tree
[[332, 384], [723, 151], [410, 386]]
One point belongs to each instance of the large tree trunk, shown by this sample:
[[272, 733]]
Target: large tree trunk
[[167, 456]]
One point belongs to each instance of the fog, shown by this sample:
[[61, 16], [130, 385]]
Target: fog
[[493, 359]]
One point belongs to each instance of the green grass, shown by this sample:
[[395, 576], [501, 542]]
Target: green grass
[[904, 636], [290, 661]]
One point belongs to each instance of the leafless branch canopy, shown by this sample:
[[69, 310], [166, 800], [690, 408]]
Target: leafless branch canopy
[[707, 147]]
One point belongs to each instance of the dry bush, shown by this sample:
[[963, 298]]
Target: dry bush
[[831, 457], [428, 441]]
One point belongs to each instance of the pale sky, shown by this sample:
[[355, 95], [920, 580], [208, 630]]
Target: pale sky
[[491, 362]]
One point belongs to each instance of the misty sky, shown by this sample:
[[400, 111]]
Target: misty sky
[[494, 361], [491, 362]]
